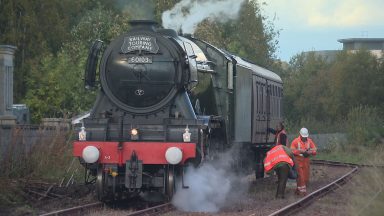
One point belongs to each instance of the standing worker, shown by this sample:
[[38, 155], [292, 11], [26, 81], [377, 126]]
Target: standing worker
[[280, 159], [280, 134], [303, 147]]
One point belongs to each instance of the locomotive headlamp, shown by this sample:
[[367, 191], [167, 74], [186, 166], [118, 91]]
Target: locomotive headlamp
[[82, 134], [91, 154], [134, 134], [187, 135], [173, 155]]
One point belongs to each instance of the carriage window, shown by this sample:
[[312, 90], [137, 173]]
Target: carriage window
[[276, 93]]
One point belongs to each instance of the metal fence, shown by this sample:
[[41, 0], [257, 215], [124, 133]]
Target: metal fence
[[19, 139]]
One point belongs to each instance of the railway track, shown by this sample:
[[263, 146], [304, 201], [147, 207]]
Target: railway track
[[310, 198], [88, 208], [287, 210], [155, 210], [78, 210]]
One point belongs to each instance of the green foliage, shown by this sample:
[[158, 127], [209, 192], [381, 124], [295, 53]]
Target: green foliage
[[161, 6], [249, 36], [99, 23], [19, 26], [365, 126], [323, 91], [306, 87], [355, 80], [36, 28], [55, 87]]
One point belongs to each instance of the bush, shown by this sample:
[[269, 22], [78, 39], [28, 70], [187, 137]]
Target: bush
[[364, 126], [44, 154]]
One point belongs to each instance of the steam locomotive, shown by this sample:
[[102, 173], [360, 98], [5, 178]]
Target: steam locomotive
[[166, 102]]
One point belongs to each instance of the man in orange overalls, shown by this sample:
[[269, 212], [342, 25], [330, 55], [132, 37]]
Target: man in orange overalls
[[303, 147]]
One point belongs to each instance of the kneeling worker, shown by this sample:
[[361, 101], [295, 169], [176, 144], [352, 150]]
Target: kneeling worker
[[279, 158]]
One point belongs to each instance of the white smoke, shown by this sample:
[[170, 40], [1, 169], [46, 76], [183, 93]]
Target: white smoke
[[211, 187], [186, 14], [208, 188]]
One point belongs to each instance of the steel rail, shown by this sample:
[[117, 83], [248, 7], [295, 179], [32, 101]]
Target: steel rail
[[155, 210], [81, 210], [289, 209], [78, 210], [308, 199]]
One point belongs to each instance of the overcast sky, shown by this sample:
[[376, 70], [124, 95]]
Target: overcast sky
[[307, 25]]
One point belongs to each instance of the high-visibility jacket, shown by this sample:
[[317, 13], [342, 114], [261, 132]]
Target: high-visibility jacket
[[278, 139], [276, 155], [298, 146], [303, 164]]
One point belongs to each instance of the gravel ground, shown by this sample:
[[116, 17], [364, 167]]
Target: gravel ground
[[258, 199], [362, 195], [75, 196]]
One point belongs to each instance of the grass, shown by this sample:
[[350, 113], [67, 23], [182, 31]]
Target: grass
[[352, 154], [48, 159], [366, 194]]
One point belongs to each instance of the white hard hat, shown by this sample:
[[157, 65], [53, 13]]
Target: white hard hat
[[304, 132]]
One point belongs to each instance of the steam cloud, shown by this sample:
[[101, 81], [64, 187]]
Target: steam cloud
[[186, 14], [208, 188], [211, 187]]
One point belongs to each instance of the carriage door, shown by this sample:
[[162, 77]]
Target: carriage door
[[259, 110], [269, 138]]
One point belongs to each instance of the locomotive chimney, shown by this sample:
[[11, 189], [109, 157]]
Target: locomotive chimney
[[143, 24]]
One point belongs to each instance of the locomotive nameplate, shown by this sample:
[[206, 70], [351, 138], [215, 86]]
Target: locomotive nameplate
[[140, 60], [140, 43]]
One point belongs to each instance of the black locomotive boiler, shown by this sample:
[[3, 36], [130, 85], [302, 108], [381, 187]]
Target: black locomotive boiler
[[167, 101]]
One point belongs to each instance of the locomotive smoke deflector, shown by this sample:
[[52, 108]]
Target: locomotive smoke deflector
[[90, 70]]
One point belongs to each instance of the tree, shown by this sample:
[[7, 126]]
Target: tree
[[55, 87], [305, 92], [38, 28], [327, 91], [250, 35], [161, 6], [356, 80]]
